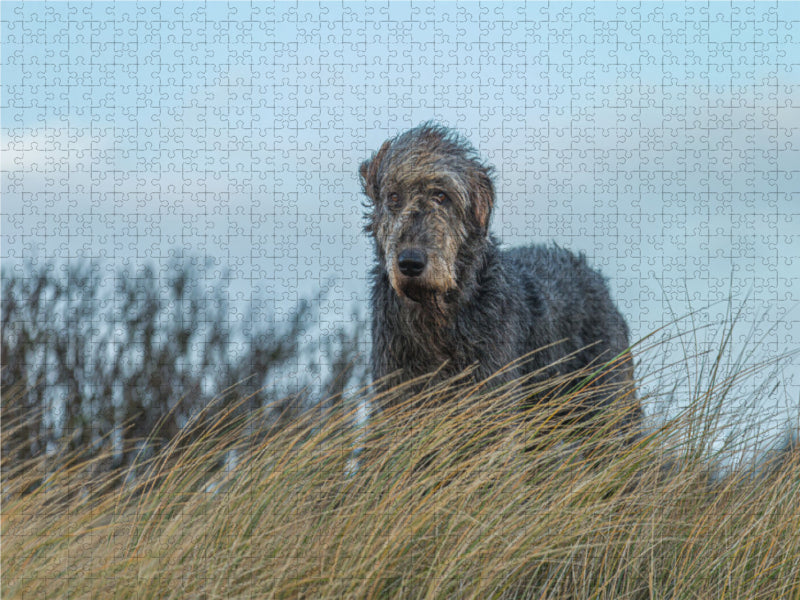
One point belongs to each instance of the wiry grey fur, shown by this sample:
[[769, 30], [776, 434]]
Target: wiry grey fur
[[474, 303]]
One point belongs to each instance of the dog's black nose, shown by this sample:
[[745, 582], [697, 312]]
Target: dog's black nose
[[412, 262]]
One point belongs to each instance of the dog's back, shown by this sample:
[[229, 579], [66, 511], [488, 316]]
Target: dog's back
[[574, 321]]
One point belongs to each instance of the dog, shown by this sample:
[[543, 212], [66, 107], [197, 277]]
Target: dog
[[445, 297]]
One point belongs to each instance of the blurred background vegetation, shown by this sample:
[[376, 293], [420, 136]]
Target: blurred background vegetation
[[113, 371]]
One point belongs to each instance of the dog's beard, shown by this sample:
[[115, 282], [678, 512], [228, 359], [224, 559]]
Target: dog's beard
[[420, 294], [431, 300]]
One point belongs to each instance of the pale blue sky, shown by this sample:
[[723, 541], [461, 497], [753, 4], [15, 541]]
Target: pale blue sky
[[662, 139]]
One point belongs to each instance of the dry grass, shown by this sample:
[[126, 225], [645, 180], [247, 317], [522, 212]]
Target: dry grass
[[445, 502]]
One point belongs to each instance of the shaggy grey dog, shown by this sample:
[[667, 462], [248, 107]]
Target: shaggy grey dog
[[444, 296]]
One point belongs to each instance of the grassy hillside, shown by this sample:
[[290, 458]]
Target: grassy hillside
[[447, 499]]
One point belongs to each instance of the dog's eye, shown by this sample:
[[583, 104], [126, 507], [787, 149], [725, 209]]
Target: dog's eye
[[441, 198], [394, 201]]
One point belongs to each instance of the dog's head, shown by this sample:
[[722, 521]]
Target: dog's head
[[431, 199]]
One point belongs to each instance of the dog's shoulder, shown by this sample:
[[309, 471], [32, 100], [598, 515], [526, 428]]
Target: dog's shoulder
[[557, 277]]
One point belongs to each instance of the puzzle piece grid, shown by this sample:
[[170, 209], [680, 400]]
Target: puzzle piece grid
[[659, 138]]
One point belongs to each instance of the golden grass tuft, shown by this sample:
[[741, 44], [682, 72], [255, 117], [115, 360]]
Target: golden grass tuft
[[445, 500]]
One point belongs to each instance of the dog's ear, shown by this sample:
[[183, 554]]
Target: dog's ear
[[482, 190], [369, 171]]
